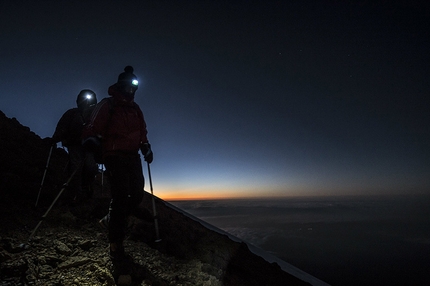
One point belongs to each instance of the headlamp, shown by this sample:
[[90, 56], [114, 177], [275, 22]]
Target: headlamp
[[134, 82], [88, 96]]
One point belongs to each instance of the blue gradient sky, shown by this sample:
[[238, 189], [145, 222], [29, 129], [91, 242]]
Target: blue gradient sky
[[269, 98]]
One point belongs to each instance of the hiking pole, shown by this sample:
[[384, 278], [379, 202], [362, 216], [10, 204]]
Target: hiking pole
[[49, 209], [103, 172], [153, 206], [44, 174]]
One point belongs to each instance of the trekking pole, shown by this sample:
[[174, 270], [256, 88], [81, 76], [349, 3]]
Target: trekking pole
[[103, 172], [49, 209], [44, 174], [153, 206]]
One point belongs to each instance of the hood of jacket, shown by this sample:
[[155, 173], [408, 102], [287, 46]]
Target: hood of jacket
[[119, 96]]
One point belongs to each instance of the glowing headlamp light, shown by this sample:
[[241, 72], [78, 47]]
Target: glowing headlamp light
[[134, 82], [88, 96]]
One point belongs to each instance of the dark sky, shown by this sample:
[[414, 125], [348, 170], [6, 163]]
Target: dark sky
[[241, 98]]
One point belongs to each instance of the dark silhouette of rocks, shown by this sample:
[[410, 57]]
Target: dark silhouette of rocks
[[70, 247]]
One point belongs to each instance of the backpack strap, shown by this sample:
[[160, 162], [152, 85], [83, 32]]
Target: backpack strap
[[111, 110]]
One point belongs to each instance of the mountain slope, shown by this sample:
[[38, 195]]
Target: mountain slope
[[70, 248]]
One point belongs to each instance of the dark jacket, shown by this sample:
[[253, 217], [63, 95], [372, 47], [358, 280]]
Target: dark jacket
[[70, 126]]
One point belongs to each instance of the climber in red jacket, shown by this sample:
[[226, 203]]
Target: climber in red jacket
[[117, 123]]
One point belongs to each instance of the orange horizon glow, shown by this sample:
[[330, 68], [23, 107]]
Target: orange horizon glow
[[193, 194], [226, 194], [204, 198], [200, 197], [189, 194]]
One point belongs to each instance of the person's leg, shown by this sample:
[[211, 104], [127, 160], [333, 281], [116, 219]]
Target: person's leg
[[89, 172], [118, 175], [137, 183], [75, 159], [136, 195]]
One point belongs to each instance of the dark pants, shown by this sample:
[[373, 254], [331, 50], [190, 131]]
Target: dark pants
[[126, 182], [79, 187]]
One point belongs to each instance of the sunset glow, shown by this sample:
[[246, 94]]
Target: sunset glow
[[275, 99]]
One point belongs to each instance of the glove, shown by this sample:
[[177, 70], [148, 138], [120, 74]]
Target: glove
[[147, 152], [149, 156]]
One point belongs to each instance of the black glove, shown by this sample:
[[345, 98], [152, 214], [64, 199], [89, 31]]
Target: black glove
[[147, 152]]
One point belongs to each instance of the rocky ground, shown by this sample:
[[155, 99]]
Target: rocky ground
[[71, 248]]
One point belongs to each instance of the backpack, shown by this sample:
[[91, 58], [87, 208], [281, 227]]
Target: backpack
[[93, 144]]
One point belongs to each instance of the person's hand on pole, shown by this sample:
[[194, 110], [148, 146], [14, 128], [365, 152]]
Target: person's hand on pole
[[147, 152]]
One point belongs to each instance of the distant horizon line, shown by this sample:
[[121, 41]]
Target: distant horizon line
[[173, 199]]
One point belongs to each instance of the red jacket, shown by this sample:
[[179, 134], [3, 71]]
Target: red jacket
[[119, 122]]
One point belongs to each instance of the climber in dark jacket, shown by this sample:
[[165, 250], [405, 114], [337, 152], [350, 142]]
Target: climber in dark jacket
[[117, 123], [69, 132]]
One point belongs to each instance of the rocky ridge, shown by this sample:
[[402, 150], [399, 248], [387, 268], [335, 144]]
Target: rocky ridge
[[70, 247]]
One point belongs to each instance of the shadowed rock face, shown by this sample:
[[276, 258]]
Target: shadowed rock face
[[70, 246]]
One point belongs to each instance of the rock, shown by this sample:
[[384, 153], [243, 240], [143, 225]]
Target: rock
[[4, 256], [62, 248], [87, 244], [74, 262], [14, 267]]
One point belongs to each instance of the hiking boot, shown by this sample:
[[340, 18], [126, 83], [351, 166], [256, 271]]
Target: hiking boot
[[121, 262], [104, 222], [122, 270], [118, 254]]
